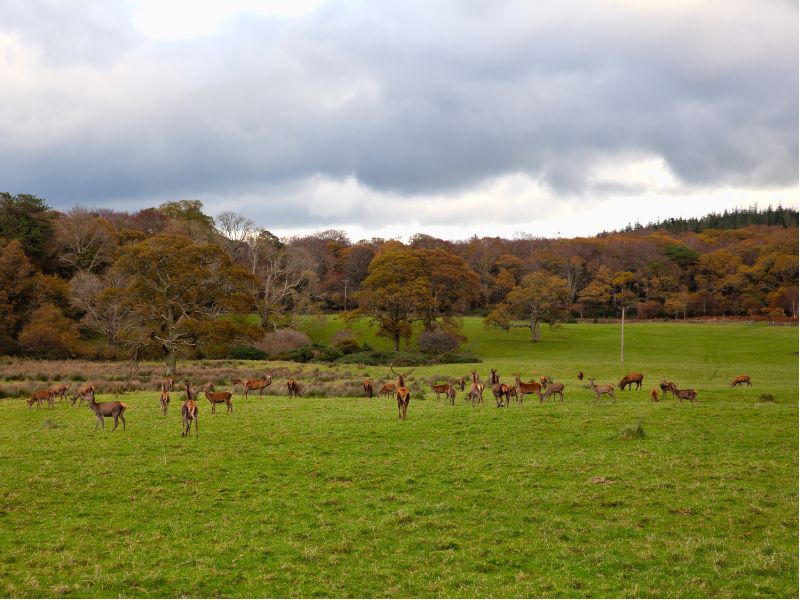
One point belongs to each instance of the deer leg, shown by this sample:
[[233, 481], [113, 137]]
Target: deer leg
[[122, 417], [116, 419]]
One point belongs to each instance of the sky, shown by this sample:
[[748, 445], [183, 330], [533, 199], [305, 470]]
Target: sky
[[384, 119]]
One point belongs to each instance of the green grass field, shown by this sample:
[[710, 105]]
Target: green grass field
[[336, 497]]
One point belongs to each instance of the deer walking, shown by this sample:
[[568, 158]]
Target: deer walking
[[164, 400], [403, 393], [217, 398], [254, 384], [603, 388], [102, 410], [82, 393], [189, 413], [40, 396], [740, 379], [60, 390]]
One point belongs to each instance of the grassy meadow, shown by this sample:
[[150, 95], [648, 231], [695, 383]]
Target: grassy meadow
[[337, 497]]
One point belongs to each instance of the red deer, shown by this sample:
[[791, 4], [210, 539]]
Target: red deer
[[294, 388], [740, 379], [475, 393], [512, 393], [403, 393], [82, 393], [217, 398], [630, 379], [164, 400], [689, 395], [441, 388], [499, 390], [189, 413], [666, 386], [367, 385], [39, 397], [545, 380], [580, 375], [451, 391], [59, 390], [107, 409], [461, 382], [654, 395], [254, 384], [552, 389], [531, 387], [168, 383], [603, 388], [387, 389]]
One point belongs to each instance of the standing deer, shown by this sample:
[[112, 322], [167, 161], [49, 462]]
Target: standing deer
[[60, 390], [654, 395], [552, 389], [40, 396], [164, 400], [512, 393], [294, 388], [189, 412], [217, 398], [630, 379], [666, 386], [168, 384], [603, 388], [367, 385], [689, 394], [82, 393], [441, 388], [114, 409], [461, 383], [740, 379], [387, 389], [254, 384], [451, 392], [531, 387], [403, 393], [475, 393], [499, 390]]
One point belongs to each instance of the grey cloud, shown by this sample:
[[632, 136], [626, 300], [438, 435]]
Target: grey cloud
[[410, 99]]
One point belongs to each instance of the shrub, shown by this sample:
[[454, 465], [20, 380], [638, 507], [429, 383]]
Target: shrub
[[247, 353], [346, 342], [437, 341], [283, 340], [310, 353], [49, 334]]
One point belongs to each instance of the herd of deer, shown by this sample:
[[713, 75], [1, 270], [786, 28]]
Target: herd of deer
[[503, 393]]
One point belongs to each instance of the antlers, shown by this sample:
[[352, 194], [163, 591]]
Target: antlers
[[403, 375]]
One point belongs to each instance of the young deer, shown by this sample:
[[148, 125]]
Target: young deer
[[114, 409], [654, 395], [39, 397], [603, 388], [552, 389], [189, 412], [217, 398], [164, 400], [512, 393]]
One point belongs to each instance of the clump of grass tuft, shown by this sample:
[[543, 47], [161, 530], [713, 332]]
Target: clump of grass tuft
[[766, 398], [632, 432], [49, 424]]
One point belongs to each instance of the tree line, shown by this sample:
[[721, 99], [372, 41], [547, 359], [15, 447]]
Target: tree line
[[172, 281]]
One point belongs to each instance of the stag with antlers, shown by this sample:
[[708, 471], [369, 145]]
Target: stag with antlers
[[403, 393]]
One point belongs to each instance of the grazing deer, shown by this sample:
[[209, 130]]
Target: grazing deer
[[59, 390], [40, 396], [630, 379], [552, 389], [166, 384], [475, 393], [217, 398], [603, 388], [451, 392], [82, 393], [403, 393], [441, 388], [254, 384], [654, 395], [189, 412], [387, 389], [689, 394], [666, 386], [294, 388], [531, 387], [114, 409], [740, 379], [164, 400], [367, 385], [499, 390], [580, 375]]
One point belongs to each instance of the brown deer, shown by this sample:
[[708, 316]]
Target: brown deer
[[475, 393], [654, 395], [217, 398], [740, 379], [666, 386], [689, 394], [387, 389], [630, 379], [168, 383], [532, 387], [580, 375], [461, 382], [82, 393], [451, 392], [254, 384], [552, 389], [499, 390], [114, 409], [545, 380], [367, 385], [164, 400], [294, 388], [403, 393], [442, 388], [40, 396], [512, 393], [189, 412], [60, 390], [603, 388]]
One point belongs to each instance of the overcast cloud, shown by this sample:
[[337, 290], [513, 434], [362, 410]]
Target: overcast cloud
[[448, 118]]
